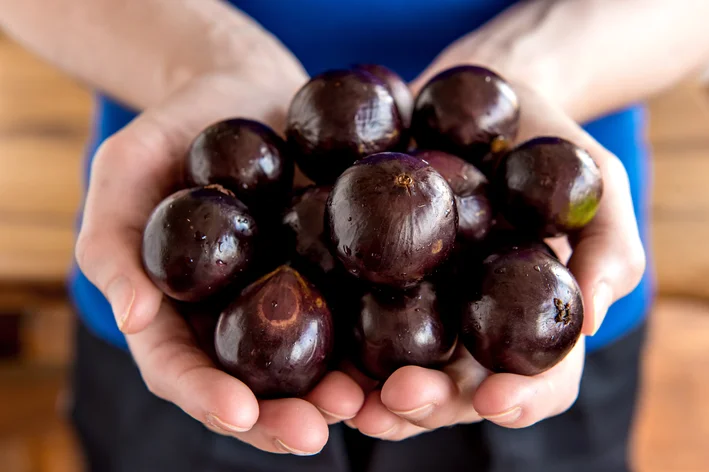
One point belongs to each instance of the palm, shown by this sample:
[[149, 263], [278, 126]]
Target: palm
[[138, 167], [415, 399]]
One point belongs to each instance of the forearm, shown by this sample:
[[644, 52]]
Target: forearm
[[595, 56], [140, 51]]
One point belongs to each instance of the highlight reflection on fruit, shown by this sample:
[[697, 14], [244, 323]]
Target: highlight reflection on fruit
[[198, 241], [338, 117], [396, 329], [468, 111], [392, 219], [524, 313], [549, 186], [277, 336]]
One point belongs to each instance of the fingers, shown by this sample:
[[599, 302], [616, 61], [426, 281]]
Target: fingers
[[377, 421], [517, 401], [176, 370], [288, 426], [129, 178], [608, 258], [434, 399], [337, 396]]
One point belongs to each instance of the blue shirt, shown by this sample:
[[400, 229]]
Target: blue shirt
[[404, 35]]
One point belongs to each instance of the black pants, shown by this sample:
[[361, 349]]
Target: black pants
[[123, 428]]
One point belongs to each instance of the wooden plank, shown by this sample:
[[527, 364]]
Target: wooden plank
[[681, 115], [40, 180], [673, 421], [680, 184], [35, 253], [28, 398]]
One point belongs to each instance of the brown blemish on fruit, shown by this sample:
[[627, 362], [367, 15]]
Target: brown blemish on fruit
[[499, 144], [318, 302], [437, 246], [563, 314], [220, 189], [404, 181], [268, 308]]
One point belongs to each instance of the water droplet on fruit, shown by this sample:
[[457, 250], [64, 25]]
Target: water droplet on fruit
[[537, 268], [206, 216], [189, 221], [199, 236], [245, 186], [274, 304], [477, 326], [500, 270], [347, 250], [448, 212], [171, 205], [349, 219], [220, 262]]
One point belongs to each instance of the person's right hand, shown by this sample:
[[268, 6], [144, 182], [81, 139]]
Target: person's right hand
[[131, 173]]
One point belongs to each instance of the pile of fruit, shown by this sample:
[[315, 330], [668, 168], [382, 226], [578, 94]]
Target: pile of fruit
[[423, 227]]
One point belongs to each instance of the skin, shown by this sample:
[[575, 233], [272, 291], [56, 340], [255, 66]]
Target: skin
[[187, 62]]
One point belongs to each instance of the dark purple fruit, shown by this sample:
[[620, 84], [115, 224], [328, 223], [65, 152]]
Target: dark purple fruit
[[525, 313], [339, 117], [475, 214], [277, 337], [197, 241], [304, 224], [468, 111], [392, 219], [397, 87], [549, 186], [396, 329], [246, 157]]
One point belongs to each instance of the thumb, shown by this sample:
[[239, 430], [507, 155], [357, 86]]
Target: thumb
[[608, 259], [120, 197]]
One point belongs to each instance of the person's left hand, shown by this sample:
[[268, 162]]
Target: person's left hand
[[608, 262]]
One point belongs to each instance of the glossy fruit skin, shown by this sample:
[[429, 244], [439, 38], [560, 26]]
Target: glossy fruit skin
[[277, 337], [397, 87], [470, 186], [395, 329], [549, 186], [391, 219], [198, 241], [248, 158], [463, 111], [304, 226], [525, 313], [338, 117]]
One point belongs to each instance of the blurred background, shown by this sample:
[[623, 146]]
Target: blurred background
[[44, 119]]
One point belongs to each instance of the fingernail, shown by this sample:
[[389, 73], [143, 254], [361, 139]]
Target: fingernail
[[602, 298], [332, 415], [120, 295], [216, 422], [285, 448], [384, 434], [506, 417], [417, 414]]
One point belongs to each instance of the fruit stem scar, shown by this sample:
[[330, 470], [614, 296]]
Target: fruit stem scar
[[499, 144], [404, 181], [563, 314]]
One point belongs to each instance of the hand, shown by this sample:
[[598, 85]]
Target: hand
[[132, 172], [608, 262]]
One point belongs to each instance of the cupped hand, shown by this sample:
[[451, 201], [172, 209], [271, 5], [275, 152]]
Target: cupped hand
[[131, 173], [607, 259]]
